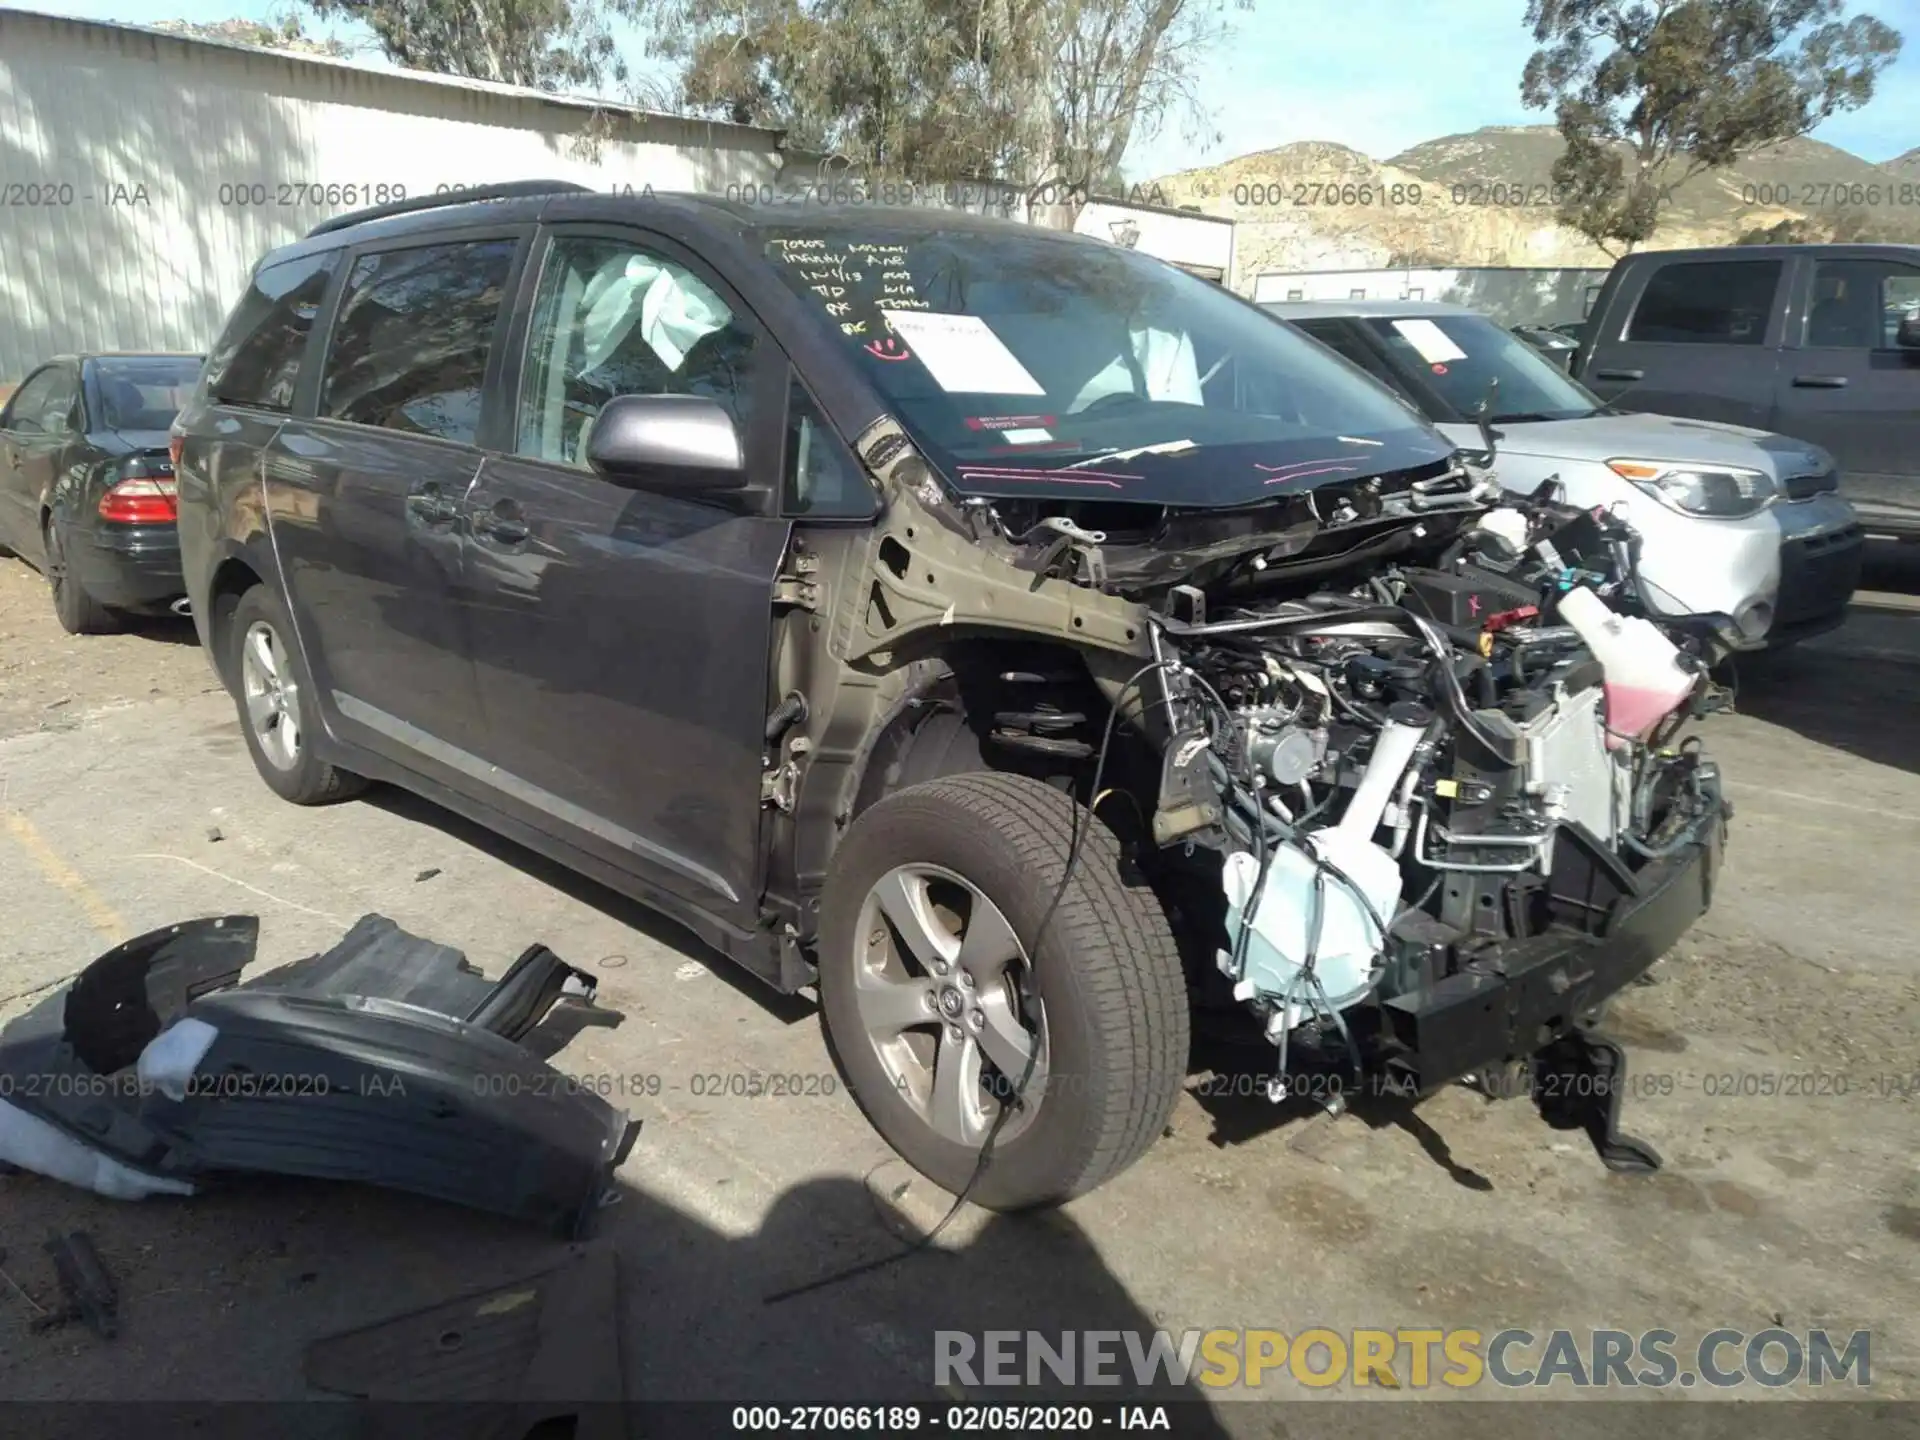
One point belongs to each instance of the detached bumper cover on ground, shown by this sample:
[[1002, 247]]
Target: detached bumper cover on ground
[[387, 1060]]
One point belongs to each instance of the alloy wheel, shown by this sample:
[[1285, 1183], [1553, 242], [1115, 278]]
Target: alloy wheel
[[272, 695], [943, 988]]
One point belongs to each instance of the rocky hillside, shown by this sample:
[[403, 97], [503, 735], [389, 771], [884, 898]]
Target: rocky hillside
[[1806, 177], [1487, 198]]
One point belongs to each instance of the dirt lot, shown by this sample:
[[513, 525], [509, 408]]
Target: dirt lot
[[127, 802]]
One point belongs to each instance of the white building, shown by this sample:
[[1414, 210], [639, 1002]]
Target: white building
[[1513, 295], [145, 172], [1199, 244]]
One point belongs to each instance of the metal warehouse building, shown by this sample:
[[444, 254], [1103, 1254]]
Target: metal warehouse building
[[144, 172]]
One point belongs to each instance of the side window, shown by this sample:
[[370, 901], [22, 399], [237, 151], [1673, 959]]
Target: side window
[[409, 351], [823, 480], [33, 404], [256, 360], [613, 318], [1859, 304], [1709, 302], [63, 406]]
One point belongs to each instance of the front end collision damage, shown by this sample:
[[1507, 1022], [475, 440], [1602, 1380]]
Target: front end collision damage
[[866, 614], [1530, 862], [387, 1060]]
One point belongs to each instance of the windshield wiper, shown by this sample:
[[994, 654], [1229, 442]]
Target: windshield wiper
[[1519, 417]]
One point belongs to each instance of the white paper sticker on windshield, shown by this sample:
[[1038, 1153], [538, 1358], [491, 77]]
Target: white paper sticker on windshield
[[1430, 340], [1027, 437], [962, 353]]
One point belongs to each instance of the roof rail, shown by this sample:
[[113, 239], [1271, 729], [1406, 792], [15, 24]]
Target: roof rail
[[511, 190]]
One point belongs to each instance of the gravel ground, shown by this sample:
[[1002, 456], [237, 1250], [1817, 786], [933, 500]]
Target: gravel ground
[[127, 801]]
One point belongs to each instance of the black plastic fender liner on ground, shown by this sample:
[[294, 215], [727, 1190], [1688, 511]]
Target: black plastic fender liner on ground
[[130, 994], [68, 1061], [388, 1060], [361, 1088]]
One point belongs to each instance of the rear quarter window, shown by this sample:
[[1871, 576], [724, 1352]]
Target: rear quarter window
[[1707, 302], [256, 360]]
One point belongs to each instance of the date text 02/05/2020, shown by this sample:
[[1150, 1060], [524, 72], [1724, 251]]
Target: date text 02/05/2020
[[959, 194], [1369, 194], [1793, 1084], [701, 1085], [959, 1419]]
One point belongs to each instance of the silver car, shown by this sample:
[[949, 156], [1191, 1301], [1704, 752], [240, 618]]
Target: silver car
[[1736, 524]]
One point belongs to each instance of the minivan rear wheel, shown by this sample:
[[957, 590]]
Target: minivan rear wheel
[[937, 1005], [275, 699]]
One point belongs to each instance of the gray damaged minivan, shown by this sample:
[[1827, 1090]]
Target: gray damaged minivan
[[1015, 640], [1735, 522]]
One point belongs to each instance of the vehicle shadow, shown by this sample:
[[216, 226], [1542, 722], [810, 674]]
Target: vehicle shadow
[[164, 629], [405, 805], [220, 1295], [1856, 691], [1891, 566]]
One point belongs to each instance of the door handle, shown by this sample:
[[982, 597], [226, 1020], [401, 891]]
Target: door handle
[[502, 521], [1820, 382], [1619, 374], [430, 505]]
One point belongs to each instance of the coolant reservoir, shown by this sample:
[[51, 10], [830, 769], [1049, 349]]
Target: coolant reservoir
[[1355, 904], [1644, 680], [1277, 948], [1509, 526]]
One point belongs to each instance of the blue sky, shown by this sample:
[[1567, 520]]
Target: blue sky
[[1379, 75]]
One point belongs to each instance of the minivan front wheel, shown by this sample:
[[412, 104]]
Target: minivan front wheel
[[275, 700], [948, 1023]]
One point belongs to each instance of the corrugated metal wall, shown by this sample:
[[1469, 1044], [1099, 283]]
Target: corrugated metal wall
[[141, 177]]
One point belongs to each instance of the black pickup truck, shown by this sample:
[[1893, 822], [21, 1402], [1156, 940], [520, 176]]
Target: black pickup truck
[[1820, 342]]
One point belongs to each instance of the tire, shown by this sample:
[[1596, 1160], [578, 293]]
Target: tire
[[77, 611], [268, 690], [1107, 977]]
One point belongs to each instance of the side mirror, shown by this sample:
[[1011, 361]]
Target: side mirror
[[672, 444], [1907, 337]]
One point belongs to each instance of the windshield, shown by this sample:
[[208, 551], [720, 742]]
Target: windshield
[[143, 392], [1013, 356], [1457, 357]]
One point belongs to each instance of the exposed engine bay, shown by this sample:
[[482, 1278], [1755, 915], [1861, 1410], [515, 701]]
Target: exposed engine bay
[[1398, 755], [1446, 757]]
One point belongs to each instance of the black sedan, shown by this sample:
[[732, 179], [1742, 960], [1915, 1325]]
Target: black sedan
[[86, 482]]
